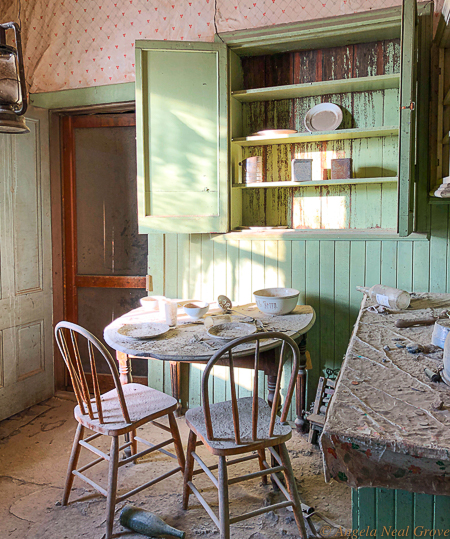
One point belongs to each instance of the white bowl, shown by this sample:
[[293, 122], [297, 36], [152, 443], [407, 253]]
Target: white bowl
[[276, 300], [149, 303], [201, 308]]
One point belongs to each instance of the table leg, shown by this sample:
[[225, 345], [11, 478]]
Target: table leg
[[300, 394], [271, 385], [175, 380], [124, 368], [125, 378]]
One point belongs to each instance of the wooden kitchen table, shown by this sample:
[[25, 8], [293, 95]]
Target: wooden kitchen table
[[180, 345]]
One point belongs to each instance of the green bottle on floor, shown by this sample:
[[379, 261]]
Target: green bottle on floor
[[147, 523]]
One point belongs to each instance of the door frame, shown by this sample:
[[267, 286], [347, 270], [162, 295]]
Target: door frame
[[57, 117]]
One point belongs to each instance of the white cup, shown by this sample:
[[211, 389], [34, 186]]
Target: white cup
[[168, 307]]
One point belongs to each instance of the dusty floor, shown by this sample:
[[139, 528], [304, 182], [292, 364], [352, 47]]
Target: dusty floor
[[34, 451]]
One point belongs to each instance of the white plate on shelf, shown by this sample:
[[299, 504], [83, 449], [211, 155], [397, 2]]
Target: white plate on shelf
[[323, 117], [274, 132], [143, 331]]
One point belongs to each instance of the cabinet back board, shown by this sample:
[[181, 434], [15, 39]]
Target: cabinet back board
[[369, 205]]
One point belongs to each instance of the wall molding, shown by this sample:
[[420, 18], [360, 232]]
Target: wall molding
[[76, 98]]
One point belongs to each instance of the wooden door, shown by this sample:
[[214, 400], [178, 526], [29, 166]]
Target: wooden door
[[26, 350], [105, 257]]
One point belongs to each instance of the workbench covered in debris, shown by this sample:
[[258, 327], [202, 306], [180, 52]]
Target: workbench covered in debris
[[388, 425]]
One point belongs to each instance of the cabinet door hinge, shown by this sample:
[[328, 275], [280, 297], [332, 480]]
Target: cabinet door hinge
[[411, 106]]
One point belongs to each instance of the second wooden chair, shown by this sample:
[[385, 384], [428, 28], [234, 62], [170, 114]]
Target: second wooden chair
[[243, 426]]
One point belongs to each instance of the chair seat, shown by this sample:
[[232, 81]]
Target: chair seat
[[143, 403], [222, 421]]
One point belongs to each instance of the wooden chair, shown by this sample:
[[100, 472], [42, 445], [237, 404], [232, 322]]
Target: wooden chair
[[242, 426], [115, 413], [325, 390]]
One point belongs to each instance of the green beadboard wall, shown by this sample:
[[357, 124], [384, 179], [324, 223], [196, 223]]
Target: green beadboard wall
[[326, 272]]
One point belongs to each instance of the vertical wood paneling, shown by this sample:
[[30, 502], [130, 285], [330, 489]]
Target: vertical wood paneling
[[405, 516], [326, 294], [207, 292], [245, 272], [325, 272], [284, 264], [171, 265], [389, 263], [220, 267], [373, 263], [357, 274], [385, 500], [438, 248], [342, 324], [195, 267], [183, 261], [405, 265], [421, 267], [299, 269], [312, 297], [232, 269], [270, 264]]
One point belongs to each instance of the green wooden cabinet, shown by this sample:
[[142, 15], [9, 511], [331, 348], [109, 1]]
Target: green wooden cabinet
[[181, 129], [196, 114]]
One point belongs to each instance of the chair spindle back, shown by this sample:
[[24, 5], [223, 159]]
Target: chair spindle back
[[67, 335], [227, 352]]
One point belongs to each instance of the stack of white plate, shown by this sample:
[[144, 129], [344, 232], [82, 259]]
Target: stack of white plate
[[443, 191]]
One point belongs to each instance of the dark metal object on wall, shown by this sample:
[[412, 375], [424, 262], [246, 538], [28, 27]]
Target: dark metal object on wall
[[13, 92], [341, 169]]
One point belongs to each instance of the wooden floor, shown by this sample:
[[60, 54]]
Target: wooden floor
[[32, 480]]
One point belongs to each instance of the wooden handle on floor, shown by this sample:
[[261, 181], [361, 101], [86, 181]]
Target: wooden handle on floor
[[404, 323]]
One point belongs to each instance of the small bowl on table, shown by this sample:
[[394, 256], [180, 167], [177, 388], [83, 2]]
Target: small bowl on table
[[196, 309], [276, 301]]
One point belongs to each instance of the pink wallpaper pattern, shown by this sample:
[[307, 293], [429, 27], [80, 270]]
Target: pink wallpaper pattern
[[79, 43]]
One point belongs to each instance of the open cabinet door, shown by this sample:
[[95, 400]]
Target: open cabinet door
[[181, 130], [26, 333], [407, 132]]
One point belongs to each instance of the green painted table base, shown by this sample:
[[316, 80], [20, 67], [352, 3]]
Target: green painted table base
[[380, 512]]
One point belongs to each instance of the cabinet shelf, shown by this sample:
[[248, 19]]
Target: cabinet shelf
[[432, 199], [339, 134], [319, 183], [291, 91]]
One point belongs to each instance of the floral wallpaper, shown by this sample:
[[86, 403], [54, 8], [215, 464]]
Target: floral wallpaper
[[79, 43]]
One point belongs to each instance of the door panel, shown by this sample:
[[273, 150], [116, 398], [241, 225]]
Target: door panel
[[181, 103], [407, 133], [26, 351], [106, 257], [107, 235]]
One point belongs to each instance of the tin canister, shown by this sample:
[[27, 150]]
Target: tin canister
[[440, 332], [445, 374], [252, 171], [301, 170], [341, 169]]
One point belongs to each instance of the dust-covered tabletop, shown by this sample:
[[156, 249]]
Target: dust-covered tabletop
[[388, 425], [189, 340]]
